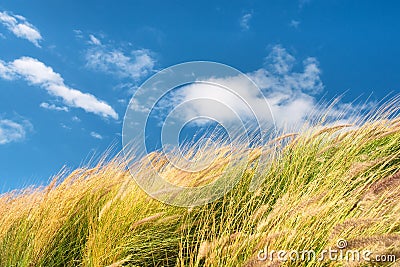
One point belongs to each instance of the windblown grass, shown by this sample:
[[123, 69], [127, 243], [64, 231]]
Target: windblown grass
[[324, 184]]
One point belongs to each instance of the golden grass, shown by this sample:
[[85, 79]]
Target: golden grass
[[324, 184]]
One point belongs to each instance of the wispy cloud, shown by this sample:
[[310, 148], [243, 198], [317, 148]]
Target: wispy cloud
[[302, 3], [66, 127], [76, 119], [278, 75], [135, 64], [96, 135], [46, 105], [78, 33], [245, 21], [20, 27], [290, 94], [37, 73], [13, 131], [294, 23], [94, 40]]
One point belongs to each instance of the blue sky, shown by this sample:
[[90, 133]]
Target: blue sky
[[69, 68]]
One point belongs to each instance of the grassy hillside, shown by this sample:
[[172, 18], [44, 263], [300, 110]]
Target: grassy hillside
[[324, 184]]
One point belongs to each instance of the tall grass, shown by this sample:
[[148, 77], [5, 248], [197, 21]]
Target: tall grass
[[324, 184]]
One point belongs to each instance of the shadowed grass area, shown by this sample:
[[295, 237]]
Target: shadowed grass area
[[322, 185]]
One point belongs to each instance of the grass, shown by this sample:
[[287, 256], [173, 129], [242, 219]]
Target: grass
[[322, 185]]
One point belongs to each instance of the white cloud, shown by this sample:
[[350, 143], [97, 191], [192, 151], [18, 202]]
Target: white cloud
[[37, 73], [94, 40], [302, 3], [96, 135], [20, 27], [76, 119], [122, 101], [13, 131], [134, 65], [5, 72], [294, 23], [53, 107], [290, 94], [64, 126], [78, 34], [245, 20]]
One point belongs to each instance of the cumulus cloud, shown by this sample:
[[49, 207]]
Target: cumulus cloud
[[20, 27], [135, 64], [53, 107], [291, 94], [96, 135], [13, 131], [37, 73], [245, 20]]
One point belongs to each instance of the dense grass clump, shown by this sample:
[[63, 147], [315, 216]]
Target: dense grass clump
[[322, 185]]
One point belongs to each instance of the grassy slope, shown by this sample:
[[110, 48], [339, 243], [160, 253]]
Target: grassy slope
[[324, 184]]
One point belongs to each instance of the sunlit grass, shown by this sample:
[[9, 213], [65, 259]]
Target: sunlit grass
[[324, 184]]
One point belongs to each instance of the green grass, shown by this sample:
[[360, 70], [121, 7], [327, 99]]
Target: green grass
[[325, 184]]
